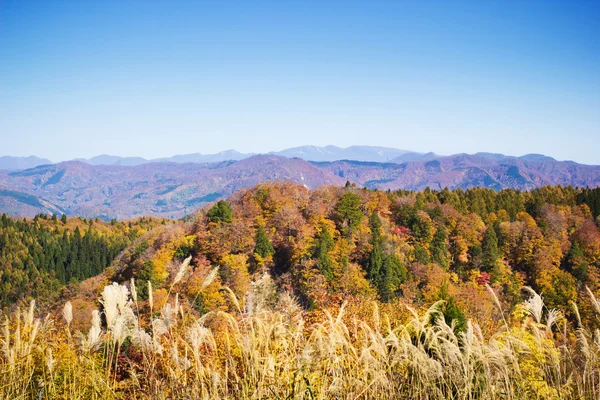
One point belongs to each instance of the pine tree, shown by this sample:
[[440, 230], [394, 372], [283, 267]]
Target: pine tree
[[323, 244], [451, 312], [439, 248], [348, 213], [263, 246], [220, 212], [421, 254], [489, 247], [392, 274], [60, 273], [576, 263]]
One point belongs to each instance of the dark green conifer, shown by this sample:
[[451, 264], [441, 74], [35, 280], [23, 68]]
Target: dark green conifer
[[263, 246], [348, 214], [439, 248], [489, 247], [220, 212], [323, 244]]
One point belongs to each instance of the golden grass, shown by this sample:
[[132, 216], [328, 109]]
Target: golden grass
[[267, 349]]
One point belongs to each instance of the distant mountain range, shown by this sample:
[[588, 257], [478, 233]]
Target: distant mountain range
[[12, 163], [160, 189], [308, 153], [170, 188]]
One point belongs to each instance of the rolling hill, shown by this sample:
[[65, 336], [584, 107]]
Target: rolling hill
[[169, 189], [160, 189]]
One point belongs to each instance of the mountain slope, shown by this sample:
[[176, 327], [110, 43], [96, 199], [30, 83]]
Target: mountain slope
[[14, 163], [308, 153], [467, 171], [174, 189], [334, 153], [160, 189], [226, 155]]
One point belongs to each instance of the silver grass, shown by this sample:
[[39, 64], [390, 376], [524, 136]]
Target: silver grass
[[534, 305], [209, 278], [159, 328], [133, 290], [50, 361], [552, 318], [182, 270], [68, 313], [91, 342], [114, 299], [594, 301]]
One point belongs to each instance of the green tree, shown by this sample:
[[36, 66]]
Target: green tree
[[220, 212], [321, 248], [576, 263], [385, 271], [439, 248], [489, 247], [348, 214], [422, 227], [392, 274], [263, 246], [450, 311], [421, 254]]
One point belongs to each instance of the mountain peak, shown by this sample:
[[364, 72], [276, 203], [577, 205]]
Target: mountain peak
[[536, 157], [15, 163]]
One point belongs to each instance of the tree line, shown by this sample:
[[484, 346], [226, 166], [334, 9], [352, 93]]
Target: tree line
[[40, 255]]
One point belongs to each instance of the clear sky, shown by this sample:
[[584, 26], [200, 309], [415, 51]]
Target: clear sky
[[158, 78]]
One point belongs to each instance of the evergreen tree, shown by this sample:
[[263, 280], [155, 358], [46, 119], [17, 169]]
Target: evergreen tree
[[220, 212], [323, 244], [421, 254], [392, 274], [60, 272], [576, 263], [489, 248], [348, 214], [439, 248], [385, 271], [450, 311], [263, 246]]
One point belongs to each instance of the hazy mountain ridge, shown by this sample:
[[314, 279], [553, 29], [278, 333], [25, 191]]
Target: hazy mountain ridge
[[13, 163], [161, 189], [308, 153], [467, 171], [334, 153], [170, 189]]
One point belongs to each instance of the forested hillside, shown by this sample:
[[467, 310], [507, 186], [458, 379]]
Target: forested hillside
[[417, 247], [40, 255], [339, 292]]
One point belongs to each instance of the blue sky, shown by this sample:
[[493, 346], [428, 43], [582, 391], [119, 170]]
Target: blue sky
[[157, 78]]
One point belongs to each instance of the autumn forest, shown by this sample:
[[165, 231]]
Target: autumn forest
[[284, 292]]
